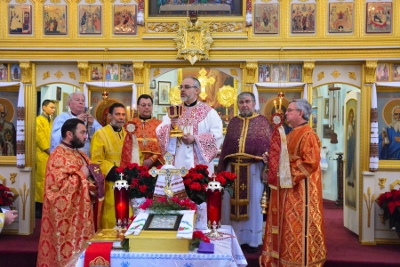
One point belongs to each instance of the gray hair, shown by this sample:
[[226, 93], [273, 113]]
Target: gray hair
[[196, 81], [244, 94], [303, 105], [76, 93]]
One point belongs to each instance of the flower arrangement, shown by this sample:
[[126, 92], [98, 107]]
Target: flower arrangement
[[390, 203], [6, 196], [196, 181], [142, 184], [166, 205], [198, 236]]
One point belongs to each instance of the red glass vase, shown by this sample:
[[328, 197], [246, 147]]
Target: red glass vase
[[214, 207], [121, 201]]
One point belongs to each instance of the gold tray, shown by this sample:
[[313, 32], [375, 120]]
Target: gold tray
[[108, 235]]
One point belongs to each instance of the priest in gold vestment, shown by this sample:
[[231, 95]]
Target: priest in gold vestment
[[295, 223], [105, 150]]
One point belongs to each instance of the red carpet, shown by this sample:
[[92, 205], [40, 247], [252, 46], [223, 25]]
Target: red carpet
[[344, 249]]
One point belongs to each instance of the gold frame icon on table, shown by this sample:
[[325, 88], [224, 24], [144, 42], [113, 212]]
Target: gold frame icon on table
[[175, 112]]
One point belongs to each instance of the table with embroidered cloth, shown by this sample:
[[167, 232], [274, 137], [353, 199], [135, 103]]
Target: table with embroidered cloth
[[227, 253]]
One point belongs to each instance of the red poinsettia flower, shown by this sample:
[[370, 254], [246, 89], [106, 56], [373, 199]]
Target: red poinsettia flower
[[390, 203], [6, 196]]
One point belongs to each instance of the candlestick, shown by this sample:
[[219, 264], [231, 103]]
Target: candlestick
[[128, 112], [214, 207], [121, 202]]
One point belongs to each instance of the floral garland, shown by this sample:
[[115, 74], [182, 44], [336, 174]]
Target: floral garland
[[167, 205]]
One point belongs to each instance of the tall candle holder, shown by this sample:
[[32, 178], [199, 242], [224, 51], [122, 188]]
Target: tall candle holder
[[121, 201], [214, 207]]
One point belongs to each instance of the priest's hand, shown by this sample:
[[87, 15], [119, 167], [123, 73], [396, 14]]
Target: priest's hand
[[265, 157], [188, 139], [148, 163], [10, 216]]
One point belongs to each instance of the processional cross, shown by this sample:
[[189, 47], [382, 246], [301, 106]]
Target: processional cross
[[168, 172]]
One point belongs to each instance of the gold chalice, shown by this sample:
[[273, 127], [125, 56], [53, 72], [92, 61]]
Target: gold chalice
[[175, 112]]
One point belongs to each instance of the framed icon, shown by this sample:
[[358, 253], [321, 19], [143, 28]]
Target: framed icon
[[112, 72], [163, 93], [341, 17], [89, 19], [126, 72], [96, 73], [303, 18], [15, 73], [3, 72], [163, 222], [55, 19], [125, 19], [379, 17], [20, 18], [266, 18]]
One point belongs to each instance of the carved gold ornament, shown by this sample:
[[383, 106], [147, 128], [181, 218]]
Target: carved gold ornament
[[193, 40], [175, 96], [226, 96], [368, 202], [382, 182]]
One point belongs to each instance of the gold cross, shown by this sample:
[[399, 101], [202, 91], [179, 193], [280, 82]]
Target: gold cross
[[243, 186]]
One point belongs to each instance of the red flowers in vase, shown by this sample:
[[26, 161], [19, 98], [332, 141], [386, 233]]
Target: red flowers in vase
[[226, 179], [6, 196], [390, 203], [196, 181], [142, 184]]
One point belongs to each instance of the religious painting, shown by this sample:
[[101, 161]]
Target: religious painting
[[341, 17], [326, 131], [182, 8], [15, 73], [126, 72], [8, 122], [153, 84], [396, 72], [326, 108], [58, 93], [280, 72], [99, 107], [382, 72], [303, 18], [125, 19], [3, 72], [314, 119], [96, 73], [264, 73], [163, 222], [163, 93], [389, 124], [270, 103], [295, 72], [89, 19], [266, 18], [20, 19], [55, 19], [112, 72], [379, 17], [350, 168], [64, 102]]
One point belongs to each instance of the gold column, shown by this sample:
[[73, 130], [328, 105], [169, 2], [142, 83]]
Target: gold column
[[249, 75], [138, 78], [308, 69], [83, 72]]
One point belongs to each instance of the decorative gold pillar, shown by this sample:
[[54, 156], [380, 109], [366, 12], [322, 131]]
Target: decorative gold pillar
[[370, 71], [308, 68], [138, 77], [249, 75], [83, 72]]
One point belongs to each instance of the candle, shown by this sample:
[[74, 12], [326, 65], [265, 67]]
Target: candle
[[128, 112], [121, 202]]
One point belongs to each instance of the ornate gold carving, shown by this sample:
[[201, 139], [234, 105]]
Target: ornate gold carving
[[20, 1], [193, 41], [226, 97], [204, 81], [308, 68], [91, 2], [370, 71], [160, 27], [175, 95], [156, 72], [71, 75], [26, 72], [335, 74], [226, 27], [126, 1], [382, 182], [58, 74], [46, 75], [233, 72], [3, 180], [138, 73], [392, 185], [266, 1], [321, 75], [24, 198], [352, 75], [12, 177], [368, 202], [83, 68], [55, 1], [251, 68]]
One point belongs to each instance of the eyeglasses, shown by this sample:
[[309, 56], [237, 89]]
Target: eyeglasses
[[186, 87], [290, 110]]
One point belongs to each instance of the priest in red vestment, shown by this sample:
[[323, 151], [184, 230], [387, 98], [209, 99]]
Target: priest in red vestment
[[295, 224], [67, 218]]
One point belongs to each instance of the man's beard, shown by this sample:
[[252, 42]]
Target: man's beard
[[2, 120], [77, 143], [247, 114], [396, 126]]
